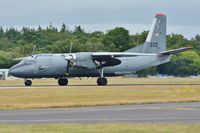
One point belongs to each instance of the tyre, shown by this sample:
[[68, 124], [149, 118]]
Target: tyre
[[28, 82], [102, 81], [62, 81]]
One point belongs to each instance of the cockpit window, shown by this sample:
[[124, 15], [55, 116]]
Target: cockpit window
[[27, 62]]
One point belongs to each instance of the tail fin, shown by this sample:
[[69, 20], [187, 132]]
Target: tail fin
[[156, 39]]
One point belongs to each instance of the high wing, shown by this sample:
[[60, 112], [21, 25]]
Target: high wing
[[174, 51], [121, 54], [105, 59]]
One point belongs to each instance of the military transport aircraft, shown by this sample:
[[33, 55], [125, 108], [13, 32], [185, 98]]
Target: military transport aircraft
[[99, 64]]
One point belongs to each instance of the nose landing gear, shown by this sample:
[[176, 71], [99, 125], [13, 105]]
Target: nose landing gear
[[27, 82]]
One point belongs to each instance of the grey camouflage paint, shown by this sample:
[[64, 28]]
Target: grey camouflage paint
[[84, 65]]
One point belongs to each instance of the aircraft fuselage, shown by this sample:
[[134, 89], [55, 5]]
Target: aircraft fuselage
[[54, 66]]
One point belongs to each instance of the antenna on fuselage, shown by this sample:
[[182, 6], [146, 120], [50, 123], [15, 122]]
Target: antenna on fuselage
[[71, 46], [21, 58], [34, 47]]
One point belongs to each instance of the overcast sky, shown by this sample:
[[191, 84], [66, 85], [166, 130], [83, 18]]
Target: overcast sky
[[135, 15]]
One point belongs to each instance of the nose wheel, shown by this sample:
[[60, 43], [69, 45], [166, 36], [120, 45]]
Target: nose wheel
[[28, 82], [62, 81]]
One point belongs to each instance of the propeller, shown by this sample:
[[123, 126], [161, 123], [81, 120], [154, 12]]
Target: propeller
[[34, 47], [70, 59]]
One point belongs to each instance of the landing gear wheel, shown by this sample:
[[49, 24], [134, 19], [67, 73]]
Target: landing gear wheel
[[102, 81], [63, 81], [28, 82]]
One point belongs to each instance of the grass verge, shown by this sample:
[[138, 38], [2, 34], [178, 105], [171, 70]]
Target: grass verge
[[87, 95], [102, 128]]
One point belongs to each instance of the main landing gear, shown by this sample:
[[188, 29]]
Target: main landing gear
[[102, 81], [27, 82], [63, 81]]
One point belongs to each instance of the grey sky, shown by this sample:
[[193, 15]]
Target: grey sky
[[135, 15]]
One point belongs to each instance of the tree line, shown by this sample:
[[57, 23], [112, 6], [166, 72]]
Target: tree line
[[16, 43]]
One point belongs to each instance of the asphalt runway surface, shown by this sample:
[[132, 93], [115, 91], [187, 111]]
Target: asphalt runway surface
[[144, 113]]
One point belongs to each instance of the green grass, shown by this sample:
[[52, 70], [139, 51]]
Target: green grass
[[102, 128], [74, 96], [87, 95]]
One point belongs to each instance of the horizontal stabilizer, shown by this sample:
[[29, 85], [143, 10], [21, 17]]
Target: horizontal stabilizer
[[174, 51]]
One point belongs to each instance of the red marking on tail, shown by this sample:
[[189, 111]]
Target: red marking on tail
[[160, 14]]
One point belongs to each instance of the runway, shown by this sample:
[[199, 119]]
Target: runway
[[53, 86], [145, 113]]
